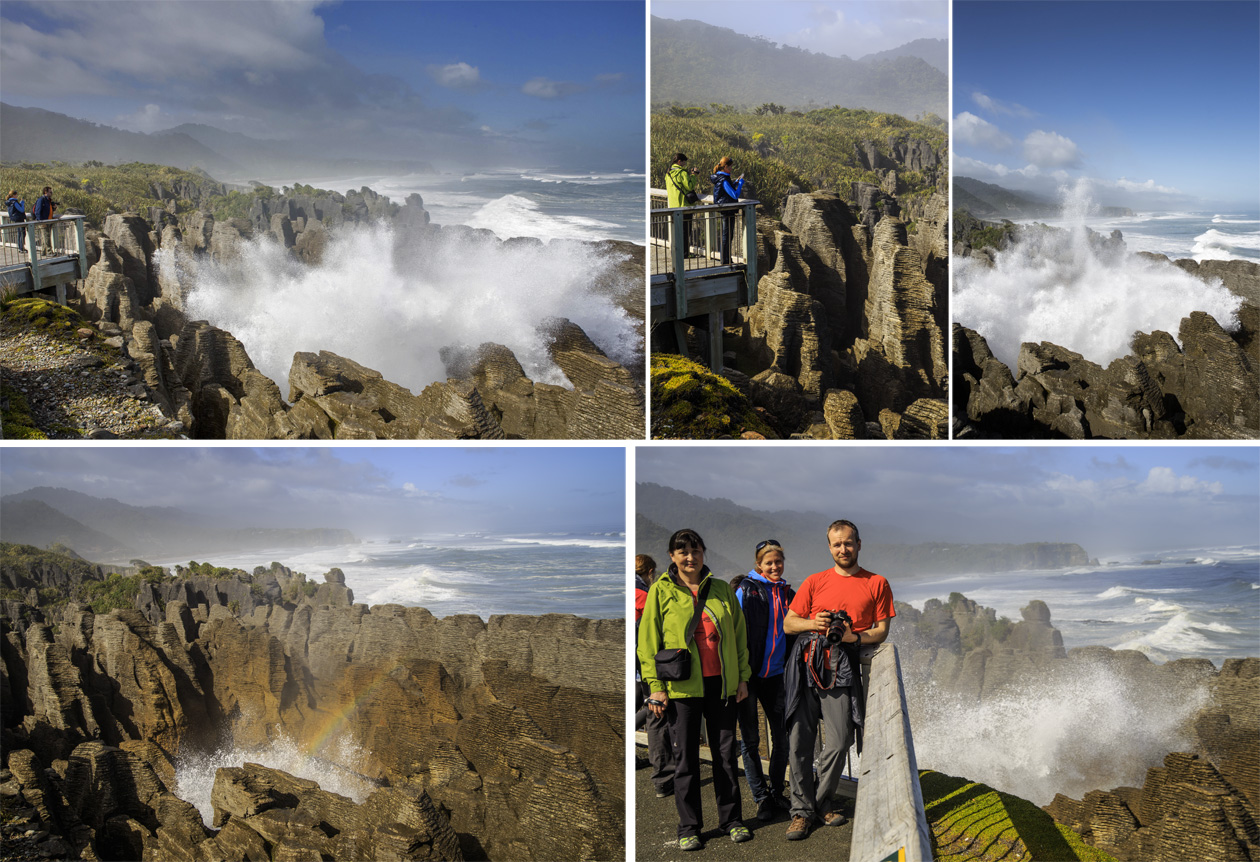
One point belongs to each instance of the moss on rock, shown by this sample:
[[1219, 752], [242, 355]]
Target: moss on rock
[[42, 314], [692, 403], [971, 821]]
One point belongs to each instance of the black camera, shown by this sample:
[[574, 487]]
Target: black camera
[[836, 628]]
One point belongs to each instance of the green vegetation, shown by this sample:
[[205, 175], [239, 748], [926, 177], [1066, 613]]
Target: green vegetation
[[98, 189], [690, 402], [86, 585], [42, 314], [209, 570], [15, 416], [980, 234], [775, 148], [970, 821]]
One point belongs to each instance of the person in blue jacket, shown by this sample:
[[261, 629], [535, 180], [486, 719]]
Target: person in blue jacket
[[44, 208], [17, 215], [726, 191], [764, 596]]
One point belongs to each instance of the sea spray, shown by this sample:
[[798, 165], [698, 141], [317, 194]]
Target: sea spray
[[1074, 289], [1094, 730], [391, 302], [335, 772]]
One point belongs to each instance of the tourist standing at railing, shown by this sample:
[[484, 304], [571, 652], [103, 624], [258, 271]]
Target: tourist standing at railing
[[17, 215], [693, 651], [682, 187], [765, 595], [44, 208], [726, 191], [823, 676]]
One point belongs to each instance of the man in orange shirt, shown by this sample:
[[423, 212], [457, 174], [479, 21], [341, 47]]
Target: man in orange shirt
[[867, 599]]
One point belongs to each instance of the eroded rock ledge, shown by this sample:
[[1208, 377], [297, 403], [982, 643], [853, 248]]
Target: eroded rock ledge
[[500, 739]]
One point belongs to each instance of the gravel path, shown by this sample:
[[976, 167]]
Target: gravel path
[[76, 385]]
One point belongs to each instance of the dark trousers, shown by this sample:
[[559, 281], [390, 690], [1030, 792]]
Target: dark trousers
[[719, 716], [768, 691], [660, 746], [724, 242]]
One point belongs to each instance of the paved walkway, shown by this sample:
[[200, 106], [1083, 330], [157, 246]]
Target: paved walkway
[[656, 829]]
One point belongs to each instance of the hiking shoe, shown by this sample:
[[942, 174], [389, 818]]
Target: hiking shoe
[[781, 801], [834, 818], [766, 809], [662, 792], [739, 834], [799, 828], [689, 842]]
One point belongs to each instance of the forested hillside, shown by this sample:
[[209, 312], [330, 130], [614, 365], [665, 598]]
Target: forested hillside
[[695, 63]]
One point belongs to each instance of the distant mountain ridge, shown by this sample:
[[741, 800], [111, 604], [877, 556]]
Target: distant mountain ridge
[[934, 52], [106, 530], [732, 531], [37, 135], [694, 63]]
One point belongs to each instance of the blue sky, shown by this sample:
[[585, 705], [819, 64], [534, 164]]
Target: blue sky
[[839, 29], [462, 84], [852, 29], [1109, 499], [1157, 103], [372, 490]]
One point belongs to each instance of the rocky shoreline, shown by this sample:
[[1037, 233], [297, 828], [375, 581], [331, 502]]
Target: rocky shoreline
[[1207, 798], [1202, 384], [202, 380], [476, 733]]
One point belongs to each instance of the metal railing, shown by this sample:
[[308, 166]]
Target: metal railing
[[709, 235], [24, 242]]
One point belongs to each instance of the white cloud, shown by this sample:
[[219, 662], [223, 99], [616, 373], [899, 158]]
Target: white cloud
[[972, 130], [148, 119], [460, 76], [1051, 150], [1148, 186], [545, 88], [1163, 481], [993, 106]]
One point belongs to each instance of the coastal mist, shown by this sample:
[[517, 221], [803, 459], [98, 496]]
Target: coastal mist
[[1088, 730], [392, 298], [334, 770], [1079, 290]]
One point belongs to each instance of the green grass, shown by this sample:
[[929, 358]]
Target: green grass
[[972, 821]]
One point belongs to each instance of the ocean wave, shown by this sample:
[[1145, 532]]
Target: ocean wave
[[590, 179], [1231, 219], [1120, 591], [1217, 245], [566, 543], [1182, 635], [516, 215]]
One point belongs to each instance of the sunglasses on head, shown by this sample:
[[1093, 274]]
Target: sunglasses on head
[[761, 545]]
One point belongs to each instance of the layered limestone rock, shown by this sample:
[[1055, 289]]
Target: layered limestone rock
[[849, 302], [478, 733]]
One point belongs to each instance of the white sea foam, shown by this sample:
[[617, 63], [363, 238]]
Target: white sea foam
[[1183, 634], [424, 587], [1216, 245], [334, 770], [1058, 286], [590, 542], [516, 215], [1066, 736], [393, 312]]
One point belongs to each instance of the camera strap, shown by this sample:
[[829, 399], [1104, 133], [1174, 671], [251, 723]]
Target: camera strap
[[701, 597]]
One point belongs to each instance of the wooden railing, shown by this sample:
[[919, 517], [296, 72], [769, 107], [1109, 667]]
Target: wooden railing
[[42, 255]]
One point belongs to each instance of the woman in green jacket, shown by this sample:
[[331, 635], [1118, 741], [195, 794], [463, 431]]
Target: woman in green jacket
[[718, 681]]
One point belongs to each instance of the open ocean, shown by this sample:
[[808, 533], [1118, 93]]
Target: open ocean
[[1198, 235], [545, 203], [482, 574], [1193, 603]]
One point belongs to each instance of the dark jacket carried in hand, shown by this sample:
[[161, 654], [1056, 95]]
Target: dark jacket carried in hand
[[806, 666]]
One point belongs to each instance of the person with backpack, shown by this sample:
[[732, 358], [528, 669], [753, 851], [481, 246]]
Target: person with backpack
[[44, 208], [17, 215], [682, 189], [726, 191], [765, 596]]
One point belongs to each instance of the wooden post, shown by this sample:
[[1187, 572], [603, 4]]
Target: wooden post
[[678, 255], [750, 251], [715, 342], [81, 246], [889, 816], [33, 256]]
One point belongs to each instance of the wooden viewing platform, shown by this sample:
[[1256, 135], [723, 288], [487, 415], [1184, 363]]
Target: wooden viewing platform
[[55, 256], [693, 278]]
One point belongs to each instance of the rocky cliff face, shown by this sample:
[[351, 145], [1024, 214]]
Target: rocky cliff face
[[478, 733], [204, 381], [846, 338], [1203, 803]]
